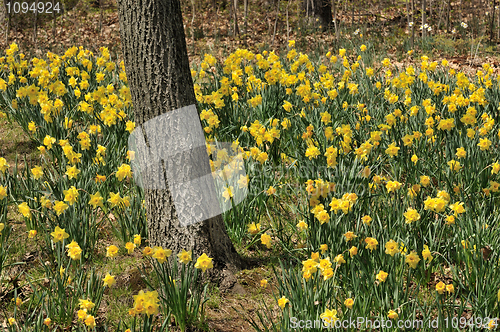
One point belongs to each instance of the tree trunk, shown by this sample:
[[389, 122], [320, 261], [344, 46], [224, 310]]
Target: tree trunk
[[492, 20], [440, 16], [448, 13], [53, 23], [413, 27], [245, 13], [236, 29], [275, 23], [35, 41], [322, 10], [335, 24], [424, 30], [157, 66], [100, 17], [352, 15]]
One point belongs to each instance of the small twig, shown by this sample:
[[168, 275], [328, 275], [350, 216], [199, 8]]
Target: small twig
[[275, 23]]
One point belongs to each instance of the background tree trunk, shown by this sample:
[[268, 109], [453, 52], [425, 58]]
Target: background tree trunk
[[245, 13], [236, 29], [322, 10], [157, 66], [424, 30]]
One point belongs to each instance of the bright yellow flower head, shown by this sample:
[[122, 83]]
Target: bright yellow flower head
[[484, 144], [371, 243], [115, 199], [392, 186], [60, 207], [329, 317], [112, 251], [392, 314], [461, 153], [48, 141], [204, 262], [123, 171], [74, 250], [454, 165], [185, 256], [130, 126], [302, 225], [266, 240], [254, 228], [86, 304], [440, 287], [282, 302], [457, 208], [71, 195], [349, 236], [72, 172], [130, 247], [353, 251], [495, 168], [323, 216], [90, 321], [414, 159], [96, 200], [412, 259], [109, 280], [137, 239], [367, 219], [24, 209], [310, 266], [146, 302], [450, 288], [411, 215], [425, 180], [148, 251], [37, 172], [391, 247], [426, 253], [339, 259], [3, 192], [382, 276], [324, 264], [161, 254], [271, 191], [392, 150]]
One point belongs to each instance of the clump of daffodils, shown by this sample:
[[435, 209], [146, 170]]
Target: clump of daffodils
[[145, 303]]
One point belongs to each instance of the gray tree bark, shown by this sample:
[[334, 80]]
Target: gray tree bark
[[5, 21], [157, 66]]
